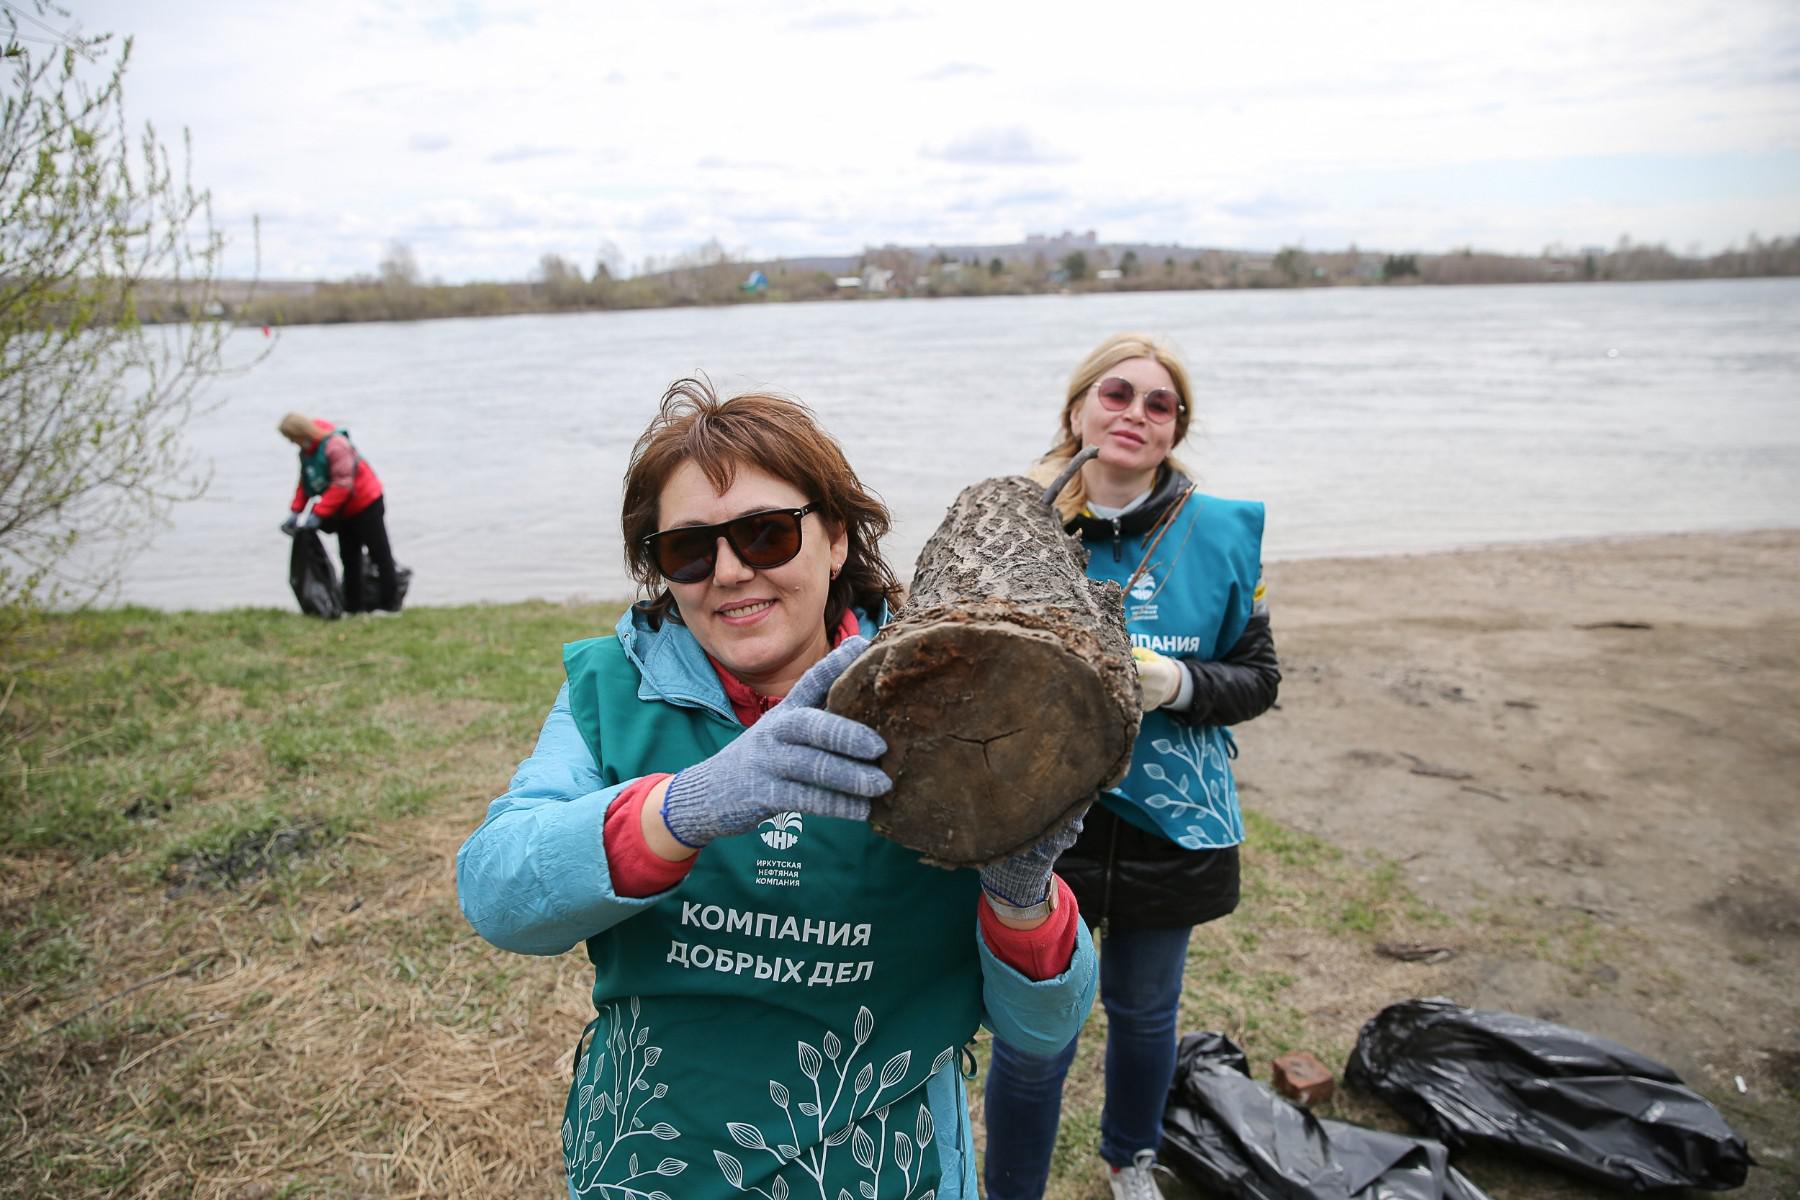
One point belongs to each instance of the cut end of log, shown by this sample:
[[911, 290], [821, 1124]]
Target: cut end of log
[[1005, 690], [998, 735]]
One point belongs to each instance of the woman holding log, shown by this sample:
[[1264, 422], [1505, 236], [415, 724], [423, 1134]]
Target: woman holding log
[[780, 992], [1159, 853]]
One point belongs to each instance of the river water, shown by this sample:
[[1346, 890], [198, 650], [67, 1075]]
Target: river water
[[1370, 420]]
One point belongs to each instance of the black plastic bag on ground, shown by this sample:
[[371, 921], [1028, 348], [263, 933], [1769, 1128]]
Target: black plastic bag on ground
[[1227, 1133], [1479, 1077], [371, 583], [313, 578]]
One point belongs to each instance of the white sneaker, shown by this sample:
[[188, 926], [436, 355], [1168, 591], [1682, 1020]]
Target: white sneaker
[[1138, 1181]]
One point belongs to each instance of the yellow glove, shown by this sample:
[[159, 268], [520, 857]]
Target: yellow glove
[[1159, 678]]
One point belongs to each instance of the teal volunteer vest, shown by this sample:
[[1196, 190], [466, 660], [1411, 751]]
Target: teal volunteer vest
[[1192, 601], [315, 471], [770, 1026]]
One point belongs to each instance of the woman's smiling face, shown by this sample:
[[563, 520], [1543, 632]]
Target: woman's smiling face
[[764, 626], [1129, 441]]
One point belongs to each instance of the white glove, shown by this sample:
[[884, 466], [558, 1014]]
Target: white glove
[[1159, 678]]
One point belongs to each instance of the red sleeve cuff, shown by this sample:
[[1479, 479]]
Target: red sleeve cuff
[[637, 871], [1041, 953]]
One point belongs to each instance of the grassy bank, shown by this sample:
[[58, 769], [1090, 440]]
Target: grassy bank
[[231, 962]]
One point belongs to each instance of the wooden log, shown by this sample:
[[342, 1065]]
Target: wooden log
[[1004, 688]]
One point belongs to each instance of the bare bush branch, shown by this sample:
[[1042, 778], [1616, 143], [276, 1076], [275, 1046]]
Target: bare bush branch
[[110, 323]]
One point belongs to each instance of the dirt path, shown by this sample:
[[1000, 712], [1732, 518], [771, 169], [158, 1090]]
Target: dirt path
[[1609, 729]]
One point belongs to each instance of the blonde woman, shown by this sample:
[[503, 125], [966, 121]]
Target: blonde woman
[[1158, 854]]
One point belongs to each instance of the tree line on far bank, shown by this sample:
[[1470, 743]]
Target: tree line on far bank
[[710, 275]]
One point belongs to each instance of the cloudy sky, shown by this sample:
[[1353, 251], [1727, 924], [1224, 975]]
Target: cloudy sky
[[486, 133]]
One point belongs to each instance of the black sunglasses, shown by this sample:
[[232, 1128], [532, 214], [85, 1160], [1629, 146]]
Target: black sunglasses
[[761, 540]]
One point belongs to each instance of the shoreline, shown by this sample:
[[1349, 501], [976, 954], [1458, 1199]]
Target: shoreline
[[348, 302], [1525, 544], [1597, 541]]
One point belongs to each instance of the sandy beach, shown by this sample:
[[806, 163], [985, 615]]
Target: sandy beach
[[1609, 729]]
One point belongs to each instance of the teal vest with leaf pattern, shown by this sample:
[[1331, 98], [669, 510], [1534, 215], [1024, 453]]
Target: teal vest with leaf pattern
[[1192, 600], [773, 1026]]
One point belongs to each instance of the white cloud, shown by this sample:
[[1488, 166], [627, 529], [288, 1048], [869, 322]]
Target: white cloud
[[498, 132], [1014, 146]]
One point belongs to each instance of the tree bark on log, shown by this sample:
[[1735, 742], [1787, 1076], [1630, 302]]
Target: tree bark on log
[[1004, 688]]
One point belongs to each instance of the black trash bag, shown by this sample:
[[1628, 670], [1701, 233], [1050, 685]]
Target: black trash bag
[[371, 583], [313, 578], [1227, 1133], [1479, 1077], [1214, 1049]]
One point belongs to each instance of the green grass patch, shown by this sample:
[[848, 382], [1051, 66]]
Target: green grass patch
[[1286, 846], [147, 733], [40, 943]]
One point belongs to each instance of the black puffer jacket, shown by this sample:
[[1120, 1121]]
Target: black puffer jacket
[[1126, 876]]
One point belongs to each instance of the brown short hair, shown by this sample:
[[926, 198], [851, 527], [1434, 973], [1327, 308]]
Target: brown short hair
[[773, 434]]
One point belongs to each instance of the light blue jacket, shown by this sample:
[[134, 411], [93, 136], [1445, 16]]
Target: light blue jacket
[[534, 879]]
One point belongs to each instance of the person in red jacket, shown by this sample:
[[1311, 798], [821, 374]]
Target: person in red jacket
[[349, 504]]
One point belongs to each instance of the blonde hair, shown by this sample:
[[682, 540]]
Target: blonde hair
[[1121, 347], [299, 428]]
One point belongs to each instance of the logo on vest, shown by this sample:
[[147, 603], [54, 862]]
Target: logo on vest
[[780, 831], [1143, 592]]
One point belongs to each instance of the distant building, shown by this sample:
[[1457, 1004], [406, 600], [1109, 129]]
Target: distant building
[[1063, 242], [1109, 273], [876, 279], [849, 281]]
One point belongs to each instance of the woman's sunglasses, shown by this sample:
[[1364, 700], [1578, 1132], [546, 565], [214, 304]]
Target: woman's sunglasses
[[760, 540], [1160, 404]]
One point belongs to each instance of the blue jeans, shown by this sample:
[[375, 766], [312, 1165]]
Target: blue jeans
[[1140, 988]]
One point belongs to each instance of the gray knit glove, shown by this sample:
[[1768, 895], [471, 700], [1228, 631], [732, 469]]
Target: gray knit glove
[[797, 758], [1024, 879]]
